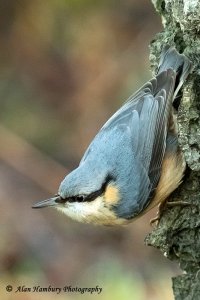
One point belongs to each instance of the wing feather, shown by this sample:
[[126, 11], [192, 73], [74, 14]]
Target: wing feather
[[146, 115]]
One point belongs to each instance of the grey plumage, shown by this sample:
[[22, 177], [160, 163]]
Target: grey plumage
[[130, 147]]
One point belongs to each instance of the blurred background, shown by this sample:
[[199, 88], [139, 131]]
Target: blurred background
[[65, 67]]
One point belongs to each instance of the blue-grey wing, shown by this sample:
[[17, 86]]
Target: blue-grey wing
[[146, 115]]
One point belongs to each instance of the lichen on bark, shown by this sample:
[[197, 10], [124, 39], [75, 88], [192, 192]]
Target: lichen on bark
[[178, 233]]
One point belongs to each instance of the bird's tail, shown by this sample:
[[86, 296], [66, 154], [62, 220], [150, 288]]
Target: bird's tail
[[171, 59]]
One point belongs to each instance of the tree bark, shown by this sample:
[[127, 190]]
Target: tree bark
[[178, 233]]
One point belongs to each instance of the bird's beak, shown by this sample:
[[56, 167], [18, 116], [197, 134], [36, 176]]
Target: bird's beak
[[48, 202]]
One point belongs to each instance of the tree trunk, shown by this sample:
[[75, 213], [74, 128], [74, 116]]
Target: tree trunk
[[178, 233]]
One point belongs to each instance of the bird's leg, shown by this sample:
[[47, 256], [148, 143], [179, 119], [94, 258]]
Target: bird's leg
[[163, 205], [177, 203], [156, 219]]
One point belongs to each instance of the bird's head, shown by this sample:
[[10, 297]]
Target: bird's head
[[87, 195]]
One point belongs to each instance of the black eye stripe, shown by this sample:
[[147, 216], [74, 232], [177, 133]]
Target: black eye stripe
[[76, 199], [93, 195], [60, 200]]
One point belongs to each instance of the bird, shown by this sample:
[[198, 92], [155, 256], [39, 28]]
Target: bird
[[134, 162]]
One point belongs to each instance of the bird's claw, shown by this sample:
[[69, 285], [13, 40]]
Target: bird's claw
[[165, 204]]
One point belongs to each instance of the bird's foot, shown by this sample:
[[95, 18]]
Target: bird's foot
[[165, 204], [157, 218]]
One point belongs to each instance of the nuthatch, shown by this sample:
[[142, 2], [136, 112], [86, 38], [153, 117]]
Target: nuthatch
[[134, 163]]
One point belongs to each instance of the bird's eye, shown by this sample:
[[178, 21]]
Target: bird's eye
[[79, 198], [92, 196]]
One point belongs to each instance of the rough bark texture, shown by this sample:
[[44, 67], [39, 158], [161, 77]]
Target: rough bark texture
[[178, 233]]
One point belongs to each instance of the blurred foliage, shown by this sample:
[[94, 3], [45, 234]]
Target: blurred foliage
[[54, 55], [66, 66]]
